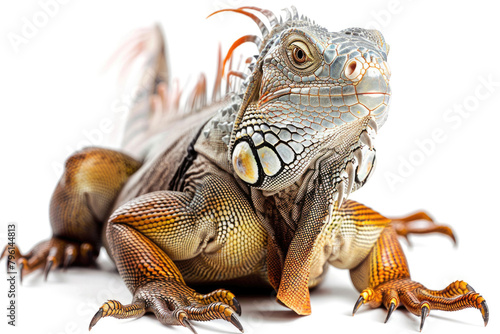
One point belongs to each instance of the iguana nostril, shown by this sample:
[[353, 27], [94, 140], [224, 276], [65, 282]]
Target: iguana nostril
[[353, 69]]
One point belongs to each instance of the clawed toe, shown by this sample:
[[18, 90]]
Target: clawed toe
[[177, 307], [214, 311], [404, 226], [113, 308], [51, 254], [420, 301], [223, 296], [391, 309]]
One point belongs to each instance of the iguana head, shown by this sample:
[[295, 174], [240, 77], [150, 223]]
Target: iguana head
[[311, 93], [310, 108]]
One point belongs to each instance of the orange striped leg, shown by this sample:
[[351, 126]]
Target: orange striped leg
[[420, 223], [155, 281], [385, 272]]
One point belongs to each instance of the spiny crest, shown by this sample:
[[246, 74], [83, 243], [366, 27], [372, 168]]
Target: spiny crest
[[238, 81], [164, 96], [290, 18]]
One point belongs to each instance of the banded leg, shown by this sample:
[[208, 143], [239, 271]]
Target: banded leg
[[157, 285], [149, 233], [80, 204], [384, 279]]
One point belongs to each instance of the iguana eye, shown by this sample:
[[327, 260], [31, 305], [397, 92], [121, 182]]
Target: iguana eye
[[300, 55]]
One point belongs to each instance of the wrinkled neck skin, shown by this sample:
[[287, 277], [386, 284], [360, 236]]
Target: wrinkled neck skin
[[295, 215], [319, 184]]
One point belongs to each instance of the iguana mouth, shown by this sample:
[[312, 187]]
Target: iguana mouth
[[337, 99]]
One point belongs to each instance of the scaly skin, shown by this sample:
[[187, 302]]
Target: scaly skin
[[390, 284], [251, 189]]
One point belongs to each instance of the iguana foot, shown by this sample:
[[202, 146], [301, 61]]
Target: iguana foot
[[52, 253], [174, 303], [420, 223], [419, 300]]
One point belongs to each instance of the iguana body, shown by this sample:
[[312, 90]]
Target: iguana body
[[251, 189]]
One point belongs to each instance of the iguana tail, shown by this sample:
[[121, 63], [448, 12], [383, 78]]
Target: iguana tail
[[146, 78], [155, 99]]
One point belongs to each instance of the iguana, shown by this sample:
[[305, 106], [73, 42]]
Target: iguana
[[251, 188]]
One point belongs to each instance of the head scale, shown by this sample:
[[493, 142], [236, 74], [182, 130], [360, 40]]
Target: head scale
[[310, 95]]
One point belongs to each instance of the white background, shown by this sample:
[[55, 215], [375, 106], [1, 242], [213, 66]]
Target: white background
[[54, 93]]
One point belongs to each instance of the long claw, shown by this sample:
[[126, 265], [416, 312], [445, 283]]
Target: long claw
[[358, 304], [236, 323], [424, 313], [187, 324], [389, 312], [237, 306], [95, 318], [46, 271], [182, 317], [68, 261], [485, 312], [70, 256]]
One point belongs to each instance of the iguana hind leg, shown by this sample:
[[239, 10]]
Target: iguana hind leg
[[384, 279], [420, 223], [52, 253], [81, 202]]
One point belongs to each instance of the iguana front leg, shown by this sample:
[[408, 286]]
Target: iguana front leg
[[215, 231], [384, 279], [158, 286]]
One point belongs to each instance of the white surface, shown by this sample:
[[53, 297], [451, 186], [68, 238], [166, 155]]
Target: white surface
[[53, 94]]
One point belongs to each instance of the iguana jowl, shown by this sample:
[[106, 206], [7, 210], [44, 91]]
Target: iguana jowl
[[252, 188]]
